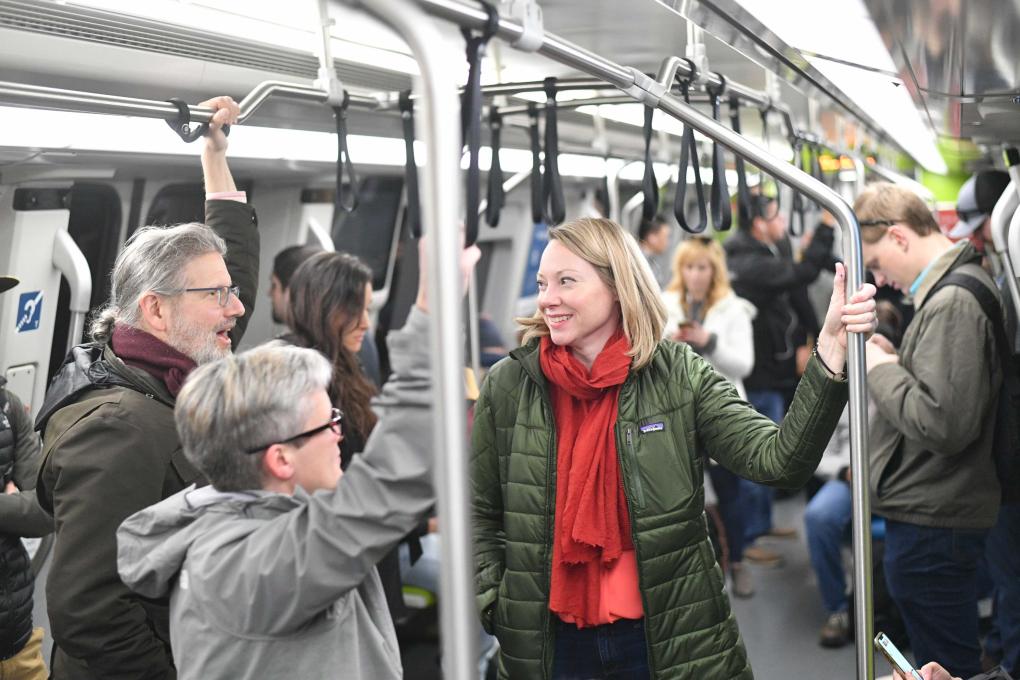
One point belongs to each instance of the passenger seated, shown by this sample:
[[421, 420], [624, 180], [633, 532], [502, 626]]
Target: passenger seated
[[271, 570]]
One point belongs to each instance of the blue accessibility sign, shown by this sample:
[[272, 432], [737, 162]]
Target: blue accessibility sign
[[29, 311]]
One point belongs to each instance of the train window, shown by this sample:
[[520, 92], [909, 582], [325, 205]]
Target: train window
[[181, 203], [94, 224], [368, 231]]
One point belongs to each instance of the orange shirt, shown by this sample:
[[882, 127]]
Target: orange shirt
[[619, 593]]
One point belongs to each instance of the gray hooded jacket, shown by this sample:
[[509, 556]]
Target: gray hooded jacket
[[264, 585]]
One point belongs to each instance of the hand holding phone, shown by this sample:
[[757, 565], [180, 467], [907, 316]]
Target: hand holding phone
[[895, 657]]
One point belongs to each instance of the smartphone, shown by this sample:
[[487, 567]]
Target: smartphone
[[895, 657]]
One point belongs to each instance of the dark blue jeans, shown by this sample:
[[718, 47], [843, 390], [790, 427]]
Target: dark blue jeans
[[1003, 555], [757, 498], [932, 576], [615, 651], [731, 508]]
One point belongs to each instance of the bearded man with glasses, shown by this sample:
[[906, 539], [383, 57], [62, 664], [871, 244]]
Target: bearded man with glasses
[[178, 299]]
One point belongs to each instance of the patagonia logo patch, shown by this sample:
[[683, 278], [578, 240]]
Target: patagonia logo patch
[[653, 427]]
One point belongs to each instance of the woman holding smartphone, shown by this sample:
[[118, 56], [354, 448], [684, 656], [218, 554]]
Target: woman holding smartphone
[[704, 312]]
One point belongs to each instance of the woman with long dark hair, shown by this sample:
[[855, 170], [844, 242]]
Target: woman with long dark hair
[[330, 294]]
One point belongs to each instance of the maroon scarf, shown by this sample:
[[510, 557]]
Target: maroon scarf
[[592, 522], [139, 349]]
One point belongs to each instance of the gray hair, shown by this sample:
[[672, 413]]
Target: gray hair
[[246, 400], [152, 261]]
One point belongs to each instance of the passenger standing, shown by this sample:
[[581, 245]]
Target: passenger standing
[[587, 472], [110, 448], [764, 271], [270, 571], [977, 198], [932, 474], [285, 264], [654, 239], [20, 516], [703, 311]]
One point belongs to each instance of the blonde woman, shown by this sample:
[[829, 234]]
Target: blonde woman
[[590, 545], [704, 312]]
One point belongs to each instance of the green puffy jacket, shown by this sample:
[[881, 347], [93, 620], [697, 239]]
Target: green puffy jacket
[[670, 413]]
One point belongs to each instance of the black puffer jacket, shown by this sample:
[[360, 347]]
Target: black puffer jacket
[[20, 515], [769, 279]]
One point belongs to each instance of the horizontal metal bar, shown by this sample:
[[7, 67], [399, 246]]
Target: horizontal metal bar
[[17, 94]]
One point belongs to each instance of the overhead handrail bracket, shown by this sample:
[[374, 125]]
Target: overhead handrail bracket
[[528, 14]]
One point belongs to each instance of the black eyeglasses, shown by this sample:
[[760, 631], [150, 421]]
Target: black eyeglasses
[[877, 223], [333, 424], [222, 293]]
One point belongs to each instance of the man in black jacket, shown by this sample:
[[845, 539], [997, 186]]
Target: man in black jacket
[[178, 299], [20, 516], [764, 272]]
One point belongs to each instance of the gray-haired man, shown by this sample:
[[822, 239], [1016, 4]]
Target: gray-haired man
[[271, 569], [178, 300]]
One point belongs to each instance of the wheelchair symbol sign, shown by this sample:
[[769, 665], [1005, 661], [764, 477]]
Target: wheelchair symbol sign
[[29, 311]]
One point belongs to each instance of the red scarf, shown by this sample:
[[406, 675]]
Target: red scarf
[[592, 523], [139, 349]]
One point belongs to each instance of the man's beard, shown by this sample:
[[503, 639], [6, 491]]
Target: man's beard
[[198, 343]]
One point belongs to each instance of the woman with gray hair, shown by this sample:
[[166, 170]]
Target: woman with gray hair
[[271, 569]]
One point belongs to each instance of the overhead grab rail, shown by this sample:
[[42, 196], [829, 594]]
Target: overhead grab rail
[[404, 15]]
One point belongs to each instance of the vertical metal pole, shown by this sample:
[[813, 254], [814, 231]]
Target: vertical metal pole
[[1002, 218], [438, 124]]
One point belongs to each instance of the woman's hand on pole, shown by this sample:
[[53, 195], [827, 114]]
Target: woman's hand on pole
[[856, 316]]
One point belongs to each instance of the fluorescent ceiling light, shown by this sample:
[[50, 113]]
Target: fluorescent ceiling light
[[882, 96]]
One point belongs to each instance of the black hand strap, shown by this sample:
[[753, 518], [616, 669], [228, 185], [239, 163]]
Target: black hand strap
[[743, 192], [722, 216], [182, 124], [796, 220], [816, 168], [649, 187], [551, 183], [471, 113], [761, 171], [343, 161], [536, 164], [495, 197], [410, 166], [689, 156]]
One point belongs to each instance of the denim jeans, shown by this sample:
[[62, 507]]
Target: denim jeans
[[932, 576], [727, 488], [1002, 553], [615, 651], [827, 521], [758, 497]]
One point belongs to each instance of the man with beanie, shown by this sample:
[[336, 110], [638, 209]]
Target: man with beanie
[[974, 205]]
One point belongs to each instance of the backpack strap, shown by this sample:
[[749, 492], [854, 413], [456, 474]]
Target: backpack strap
[[987, 298]]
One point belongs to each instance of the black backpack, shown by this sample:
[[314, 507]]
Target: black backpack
[[1006, 439]]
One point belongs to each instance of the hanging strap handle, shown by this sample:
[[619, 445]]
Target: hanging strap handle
[[182, 124], [649, 186], [761, 171], [816, 168], [796, 220], [743, 192], [471, 113], [413, 220], [552, 184], [689, 157], [536, 164], [343, 161], [722, 215], [495, 198]]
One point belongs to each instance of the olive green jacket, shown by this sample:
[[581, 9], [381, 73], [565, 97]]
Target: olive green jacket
[[671, 412]]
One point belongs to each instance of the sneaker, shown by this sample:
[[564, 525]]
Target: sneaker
[[763, 556], [836, 631], [782, 532], [742, 584]]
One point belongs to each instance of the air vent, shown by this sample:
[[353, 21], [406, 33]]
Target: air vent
[[121, 30]]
